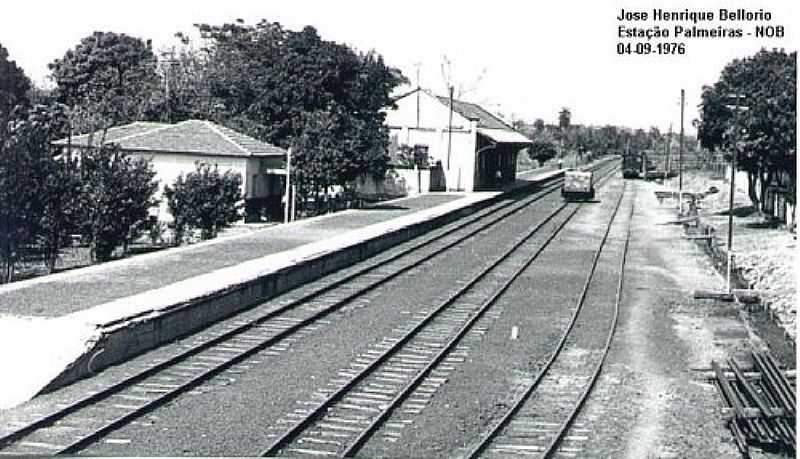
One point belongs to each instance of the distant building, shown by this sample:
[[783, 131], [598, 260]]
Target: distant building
[[468, 148], [177, 148]]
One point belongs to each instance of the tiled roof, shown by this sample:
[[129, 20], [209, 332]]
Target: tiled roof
[[191, 136], [475, 112], [504, 135]]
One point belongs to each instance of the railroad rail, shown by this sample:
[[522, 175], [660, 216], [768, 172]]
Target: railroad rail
[[349, 413], [84, 421], [539, 420]]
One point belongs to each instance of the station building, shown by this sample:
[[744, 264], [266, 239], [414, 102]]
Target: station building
[[175, 149], [468, 148]]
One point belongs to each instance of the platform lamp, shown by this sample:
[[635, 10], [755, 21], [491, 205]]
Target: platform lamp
[[737, 107]]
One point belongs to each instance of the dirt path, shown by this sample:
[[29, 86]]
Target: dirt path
[[650, 401]]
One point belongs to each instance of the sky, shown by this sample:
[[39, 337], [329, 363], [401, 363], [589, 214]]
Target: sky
[[523, 59]]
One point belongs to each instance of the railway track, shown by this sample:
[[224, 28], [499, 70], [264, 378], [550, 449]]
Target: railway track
[[542, 420], [352, 408], [87, 419]]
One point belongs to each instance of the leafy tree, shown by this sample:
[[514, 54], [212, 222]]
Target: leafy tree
[[52, 179], [15, 221], [117, 193], [186, 91], [564, 117], [764, 138], [288, 87], [17, 208], [542, 150], [204, 199], [107, 74], [14, 86]]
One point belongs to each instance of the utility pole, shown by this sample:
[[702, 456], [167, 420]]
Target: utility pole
[[680, 160], [450, 130], [669, 150], [417, 65], [167, 72], [288, 191]]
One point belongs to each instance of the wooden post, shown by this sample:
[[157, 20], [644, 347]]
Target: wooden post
[[294, 202], [449, 137], [680, 160], [288, 190]]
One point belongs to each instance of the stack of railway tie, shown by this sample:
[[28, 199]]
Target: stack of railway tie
[[86, 420], [760, 405], [338, 425]]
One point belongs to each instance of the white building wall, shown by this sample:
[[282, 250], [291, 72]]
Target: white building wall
[[397, 182], [432, 131], [169, 165]]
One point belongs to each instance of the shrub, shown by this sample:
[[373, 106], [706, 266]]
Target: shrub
[[117, 193], [542, 150], [205, 200]]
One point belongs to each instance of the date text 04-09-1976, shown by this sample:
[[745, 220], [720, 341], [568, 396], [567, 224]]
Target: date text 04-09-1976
[[651, 48]]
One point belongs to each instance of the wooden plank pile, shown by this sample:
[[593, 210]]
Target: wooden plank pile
[[760, 405]]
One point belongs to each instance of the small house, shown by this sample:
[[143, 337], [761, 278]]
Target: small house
[[175, 149]]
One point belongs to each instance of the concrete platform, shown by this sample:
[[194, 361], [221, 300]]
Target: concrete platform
[[60, 328]]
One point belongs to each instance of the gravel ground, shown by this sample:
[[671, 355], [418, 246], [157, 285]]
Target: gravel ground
[[648, 401], [77, 292], [767, 255]]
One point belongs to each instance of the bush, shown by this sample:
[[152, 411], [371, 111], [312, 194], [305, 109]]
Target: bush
[[205, 200], [542, 150], [117, 193]]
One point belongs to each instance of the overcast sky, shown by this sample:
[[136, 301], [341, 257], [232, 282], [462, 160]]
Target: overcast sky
[[534, 57]]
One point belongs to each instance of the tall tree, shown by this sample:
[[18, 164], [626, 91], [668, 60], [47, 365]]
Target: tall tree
[[111, 76], [117, 193], [764, 136], [185, 92], [52, 177], [564, 118], [286, 87], [14, 86]]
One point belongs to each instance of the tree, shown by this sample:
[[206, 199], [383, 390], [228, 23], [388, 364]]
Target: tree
[[109, 75], [17, 202], [542, 150], [52, 179], [117, 193], [287, 87], [564, 117], [185, 92], [764, 138], [14, 214], [204, 199], [14, 86]]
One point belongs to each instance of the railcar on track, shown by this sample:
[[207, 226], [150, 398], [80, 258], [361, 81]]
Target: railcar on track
[[633, 165], [578, 185]]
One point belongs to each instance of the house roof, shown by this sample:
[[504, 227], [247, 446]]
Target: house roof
[[489, 125], [504, 135], [191, 136], [475, 112]]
